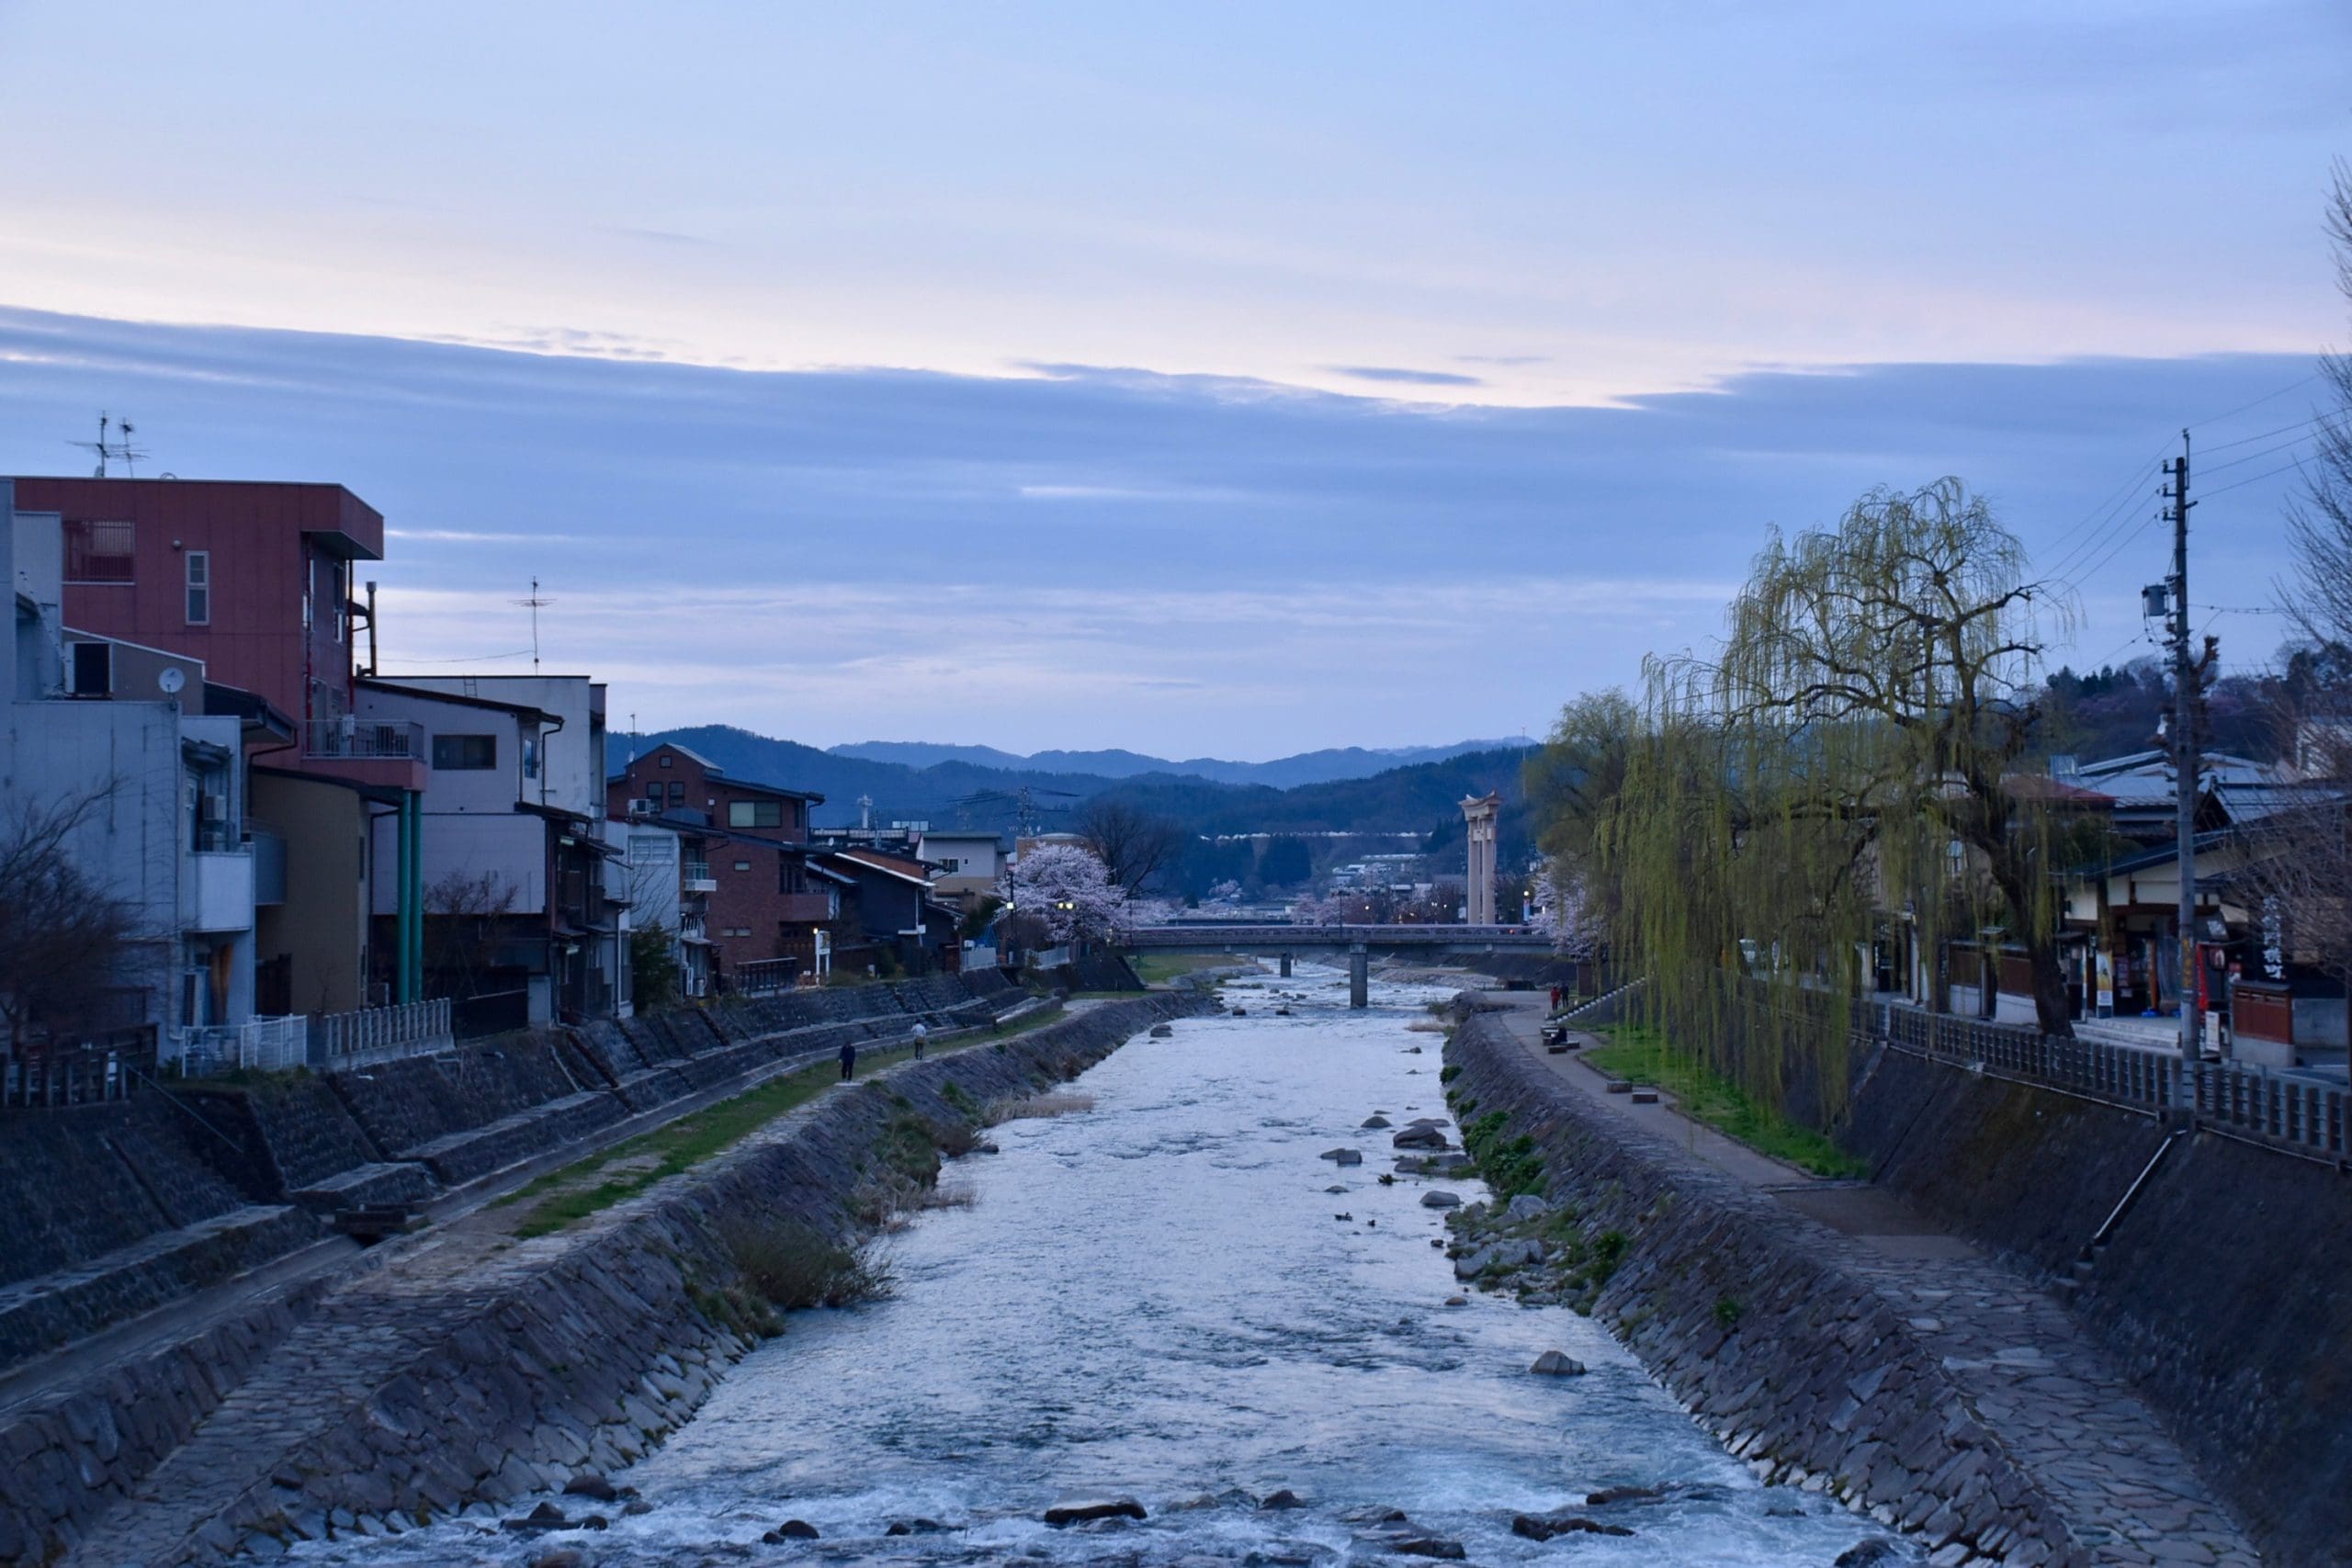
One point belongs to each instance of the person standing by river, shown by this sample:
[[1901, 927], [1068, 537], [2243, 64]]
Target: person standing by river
[[849, 1060], [922, 1034]]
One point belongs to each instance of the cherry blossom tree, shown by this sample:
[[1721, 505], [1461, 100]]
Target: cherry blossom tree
[[1064, 892]]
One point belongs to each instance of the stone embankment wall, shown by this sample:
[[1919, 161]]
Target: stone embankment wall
[[463, 1374], [2221, 1292], [1802, 1370], [122, 1209]]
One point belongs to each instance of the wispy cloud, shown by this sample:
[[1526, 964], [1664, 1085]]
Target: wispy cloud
[[1405, 377], [1097, 555]]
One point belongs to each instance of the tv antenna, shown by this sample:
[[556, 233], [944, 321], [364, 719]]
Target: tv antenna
[[532, 604], [865, 813], [112, 448]]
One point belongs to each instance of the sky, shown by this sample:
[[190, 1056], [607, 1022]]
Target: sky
[[1202, 380]]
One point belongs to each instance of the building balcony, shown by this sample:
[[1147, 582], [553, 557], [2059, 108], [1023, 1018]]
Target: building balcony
[[696, 878], [387, 753], [364, 740], [809, 909], [218, 893]]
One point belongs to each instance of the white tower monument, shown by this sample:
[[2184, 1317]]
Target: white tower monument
[[1478, 813]]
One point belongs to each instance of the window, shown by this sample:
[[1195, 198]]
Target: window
[[677, 792], [951, 865], [199, 588], [93, 669], [743, 866], [465, 752], [530, 757], [99, 551], [665, 759], [755, 814]]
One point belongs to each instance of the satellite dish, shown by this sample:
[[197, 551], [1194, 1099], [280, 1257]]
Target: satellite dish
[[172, 680]]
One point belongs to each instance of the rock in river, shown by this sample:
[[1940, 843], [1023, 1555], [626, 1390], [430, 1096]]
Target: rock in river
[[588, 1483], [1080, 1510], [1557, 1364], [1418, 1137], [1425, 1546], [1439, 1198], [1342, 1156], [1374, 1121], [1544, 1527], [1282, 1497], [791, 1529]]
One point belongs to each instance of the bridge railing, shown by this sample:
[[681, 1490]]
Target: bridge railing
[[1209, 935]]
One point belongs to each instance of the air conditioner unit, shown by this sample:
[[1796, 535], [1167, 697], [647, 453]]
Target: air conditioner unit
[[643, 808], [215, 808]]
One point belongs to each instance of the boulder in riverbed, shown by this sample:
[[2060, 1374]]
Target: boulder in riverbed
[[1375, 1121], [546, 1516], [1426, 1546], [1870, 1554], [791, 1529], [1557, 1364], [1420, 1136], [1439, 1198], [1342, 1156], [1079, 1510], [588, 1483], [1544, 1527], [918, 1527], [1609, 1494], [1280, 1498]]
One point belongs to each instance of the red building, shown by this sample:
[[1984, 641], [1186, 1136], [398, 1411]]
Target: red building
[[255, 579], [252, 578], [745, 855]]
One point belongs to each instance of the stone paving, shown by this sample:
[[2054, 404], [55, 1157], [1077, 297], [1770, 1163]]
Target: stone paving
[[2028, 1372]]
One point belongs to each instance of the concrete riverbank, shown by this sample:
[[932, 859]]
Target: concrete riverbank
[[470, 1366], [1927, 1385]]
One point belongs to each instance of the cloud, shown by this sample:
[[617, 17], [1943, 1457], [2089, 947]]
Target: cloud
[[1107, 555], [1407, 377]]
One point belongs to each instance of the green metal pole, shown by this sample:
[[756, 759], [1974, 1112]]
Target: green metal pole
[[403, 841], [417, 895]]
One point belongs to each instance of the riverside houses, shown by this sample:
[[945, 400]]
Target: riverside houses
[[765, 919], [251, 585], [151, 775], [517, 928]]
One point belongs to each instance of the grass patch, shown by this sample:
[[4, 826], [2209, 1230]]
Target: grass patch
[[1638, 1053], [586, 1187], [1159, 969]]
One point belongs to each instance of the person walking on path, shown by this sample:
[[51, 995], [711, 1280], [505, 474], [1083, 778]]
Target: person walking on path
[[922, 1034], [1556, 998], [849, 1060]]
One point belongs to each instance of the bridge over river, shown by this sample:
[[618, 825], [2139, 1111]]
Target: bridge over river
[[1358, 942], [1421, 939]]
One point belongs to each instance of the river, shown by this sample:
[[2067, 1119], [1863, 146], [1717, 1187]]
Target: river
[[1158, 1297]]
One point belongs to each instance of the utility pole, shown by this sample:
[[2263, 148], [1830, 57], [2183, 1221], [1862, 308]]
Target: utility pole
[[2185, 675]]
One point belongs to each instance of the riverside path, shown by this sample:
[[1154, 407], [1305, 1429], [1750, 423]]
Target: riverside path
[[2029, 1372]]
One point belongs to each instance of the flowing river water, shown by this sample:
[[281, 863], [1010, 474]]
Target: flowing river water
[[1158, 1297]]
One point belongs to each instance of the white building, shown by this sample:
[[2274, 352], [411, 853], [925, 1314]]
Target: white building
[[160, 785]]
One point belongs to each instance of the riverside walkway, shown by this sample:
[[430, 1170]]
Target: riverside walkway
[[2029, 1372]]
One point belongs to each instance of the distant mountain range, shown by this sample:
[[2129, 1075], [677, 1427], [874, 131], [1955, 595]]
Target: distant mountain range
[[1283, 773], [915, 781]]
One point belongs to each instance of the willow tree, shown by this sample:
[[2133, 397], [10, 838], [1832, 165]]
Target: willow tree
[[1572, 782], [1837, 766]]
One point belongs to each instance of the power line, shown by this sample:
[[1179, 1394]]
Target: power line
[[2298, 424], [2257, 402], [2258, 456], [2107, 509], [2252, 479]]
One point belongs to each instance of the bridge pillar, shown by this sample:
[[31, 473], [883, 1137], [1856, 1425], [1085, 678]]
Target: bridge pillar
[[1359, 976], [1285, 966]]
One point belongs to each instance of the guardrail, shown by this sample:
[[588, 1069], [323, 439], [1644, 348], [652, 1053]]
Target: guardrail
[[763, 977], [382, 1035], [2290, 1110], [1206, 935], [326, 1040]]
